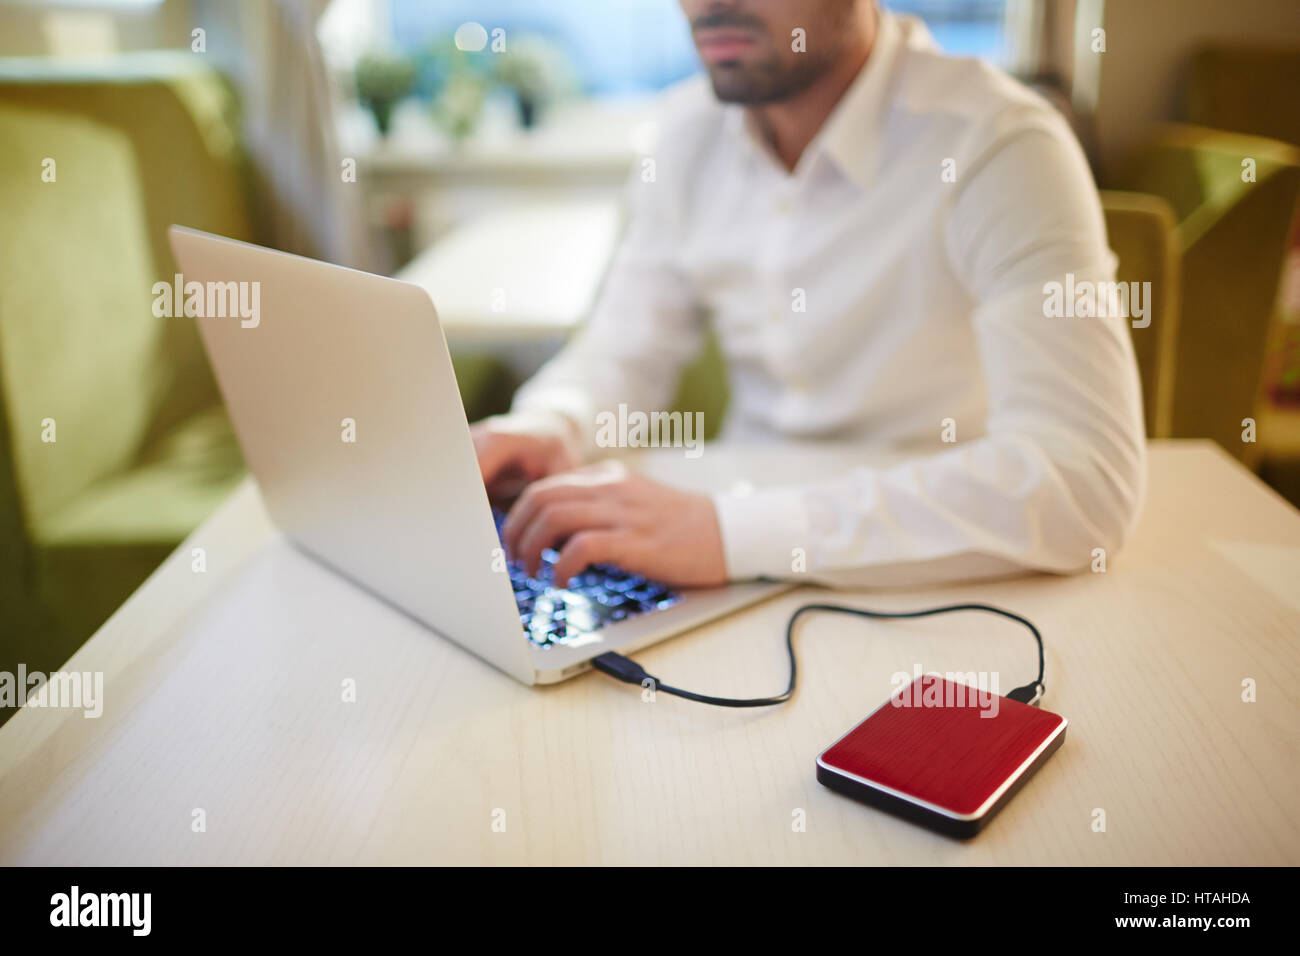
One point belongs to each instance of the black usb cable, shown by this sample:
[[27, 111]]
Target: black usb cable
[[630, 672]]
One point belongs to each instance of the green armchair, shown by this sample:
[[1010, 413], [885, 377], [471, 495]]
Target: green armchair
[[99, 480], [114, 443]]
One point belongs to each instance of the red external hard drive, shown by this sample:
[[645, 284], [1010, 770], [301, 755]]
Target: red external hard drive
[[942, 754]]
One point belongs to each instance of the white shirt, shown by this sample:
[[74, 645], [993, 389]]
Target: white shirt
[[922, 320]]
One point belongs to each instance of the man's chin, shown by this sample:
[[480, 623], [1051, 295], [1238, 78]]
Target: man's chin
[[758, 84], [731, 85]]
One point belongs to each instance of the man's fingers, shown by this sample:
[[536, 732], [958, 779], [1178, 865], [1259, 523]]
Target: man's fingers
[[539, 495], [555, 524], [507, 457], [506, 488], [588, 547]]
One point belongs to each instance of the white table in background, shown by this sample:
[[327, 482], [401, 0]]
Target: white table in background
[[518, 282]]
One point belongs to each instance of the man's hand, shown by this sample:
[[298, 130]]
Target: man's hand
[[604, 514], [513, 451]]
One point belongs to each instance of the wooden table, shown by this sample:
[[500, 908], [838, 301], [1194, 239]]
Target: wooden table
[[224, 694]]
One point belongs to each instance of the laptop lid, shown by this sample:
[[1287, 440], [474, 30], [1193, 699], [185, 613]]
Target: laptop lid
[[342, 394]]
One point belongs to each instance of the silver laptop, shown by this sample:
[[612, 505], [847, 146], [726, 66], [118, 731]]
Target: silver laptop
[[341, 390]]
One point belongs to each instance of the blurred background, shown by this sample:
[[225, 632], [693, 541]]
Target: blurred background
[[480, 148]]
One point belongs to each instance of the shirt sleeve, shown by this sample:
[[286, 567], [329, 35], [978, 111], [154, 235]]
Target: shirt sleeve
[[646, 325], [1059, 468]]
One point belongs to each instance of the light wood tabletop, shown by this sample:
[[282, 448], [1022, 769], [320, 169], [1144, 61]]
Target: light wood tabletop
[[225, 704]]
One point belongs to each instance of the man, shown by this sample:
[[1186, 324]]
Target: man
[[868, 226]]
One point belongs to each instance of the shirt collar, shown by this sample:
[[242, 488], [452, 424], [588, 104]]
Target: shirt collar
[[850, 135]]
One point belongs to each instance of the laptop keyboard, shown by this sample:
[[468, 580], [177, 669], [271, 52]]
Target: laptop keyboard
[[600, 595]]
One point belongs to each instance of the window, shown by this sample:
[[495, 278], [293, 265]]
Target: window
[[961, 27], [621, 46], [613, 46]]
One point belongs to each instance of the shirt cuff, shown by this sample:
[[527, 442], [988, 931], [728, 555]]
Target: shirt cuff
[[765, 533]]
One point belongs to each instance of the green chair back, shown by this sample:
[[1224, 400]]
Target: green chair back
[[1140, 229], [1234, 198]]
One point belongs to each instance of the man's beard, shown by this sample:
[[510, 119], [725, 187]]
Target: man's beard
[[767, 81]]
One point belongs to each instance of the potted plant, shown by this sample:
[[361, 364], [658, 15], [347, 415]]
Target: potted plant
[[383, 80], [535, 70]]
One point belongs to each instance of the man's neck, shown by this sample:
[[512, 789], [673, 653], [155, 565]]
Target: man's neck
[[790, 125]]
